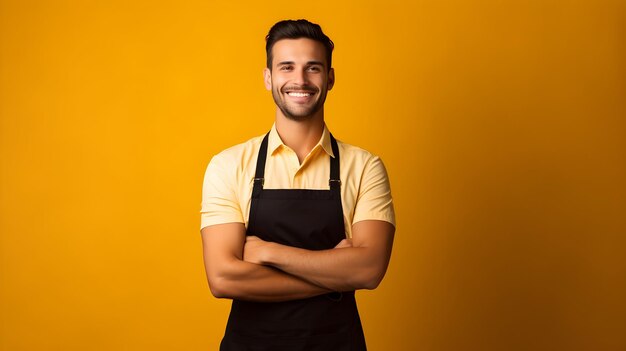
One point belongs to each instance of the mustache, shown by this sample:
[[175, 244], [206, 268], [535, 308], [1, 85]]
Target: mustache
[[299, 88]]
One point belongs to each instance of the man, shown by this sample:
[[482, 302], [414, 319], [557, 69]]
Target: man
[[294, 222]]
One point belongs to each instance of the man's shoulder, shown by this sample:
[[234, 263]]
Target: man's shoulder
[[353, 153]]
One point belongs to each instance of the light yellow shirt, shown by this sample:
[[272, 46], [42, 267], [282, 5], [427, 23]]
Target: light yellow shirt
[[228, 181]]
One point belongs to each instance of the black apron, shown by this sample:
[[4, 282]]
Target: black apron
[[308, 219]]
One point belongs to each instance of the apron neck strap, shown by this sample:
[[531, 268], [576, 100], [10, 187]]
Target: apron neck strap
[[259, 176], [260, 165], [335, 179]]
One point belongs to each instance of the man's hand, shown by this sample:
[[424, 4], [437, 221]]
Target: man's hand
[[255, 249], [344, 243]]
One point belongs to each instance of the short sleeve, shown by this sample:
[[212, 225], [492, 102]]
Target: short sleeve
[[219, 194], [374, 200]]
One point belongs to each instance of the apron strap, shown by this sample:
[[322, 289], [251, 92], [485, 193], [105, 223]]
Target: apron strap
[[259, 176], [335, 179]]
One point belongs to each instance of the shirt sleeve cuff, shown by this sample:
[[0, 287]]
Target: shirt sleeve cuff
[[208, 220], [377, 216]]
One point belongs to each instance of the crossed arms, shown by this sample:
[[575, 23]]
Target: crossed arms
[[248, 268]]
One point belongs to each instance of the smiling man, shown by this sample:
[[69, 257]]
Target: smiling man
[[294, 221]]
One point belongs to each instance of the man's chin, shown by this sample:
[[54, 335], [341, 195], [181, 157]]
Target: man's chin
[[299, 115]]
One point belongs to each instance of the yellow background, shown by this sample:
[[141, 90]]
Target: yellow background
[[502, 125]]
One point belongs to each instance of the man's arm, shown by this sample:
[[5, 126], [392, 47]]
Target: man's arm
[[361, 266], [231, 277]]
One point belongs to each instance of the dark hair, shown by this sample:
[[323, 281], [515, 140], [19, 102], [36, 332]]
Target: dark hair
[[295, 29]]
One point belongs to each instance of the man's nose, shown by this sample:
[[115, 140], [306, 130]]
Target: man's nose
[[300, 77]]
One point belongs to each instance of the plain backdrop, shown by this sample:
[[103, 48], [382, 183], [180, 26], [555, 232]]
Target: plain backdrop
[[501, 123]]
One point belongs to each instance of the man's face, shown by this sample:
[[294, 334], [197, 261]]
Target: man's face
[[299, 79]]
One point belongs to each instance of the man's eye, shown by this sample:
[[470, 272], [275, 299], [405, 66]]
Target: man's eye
[[314, 69], [285, 68]]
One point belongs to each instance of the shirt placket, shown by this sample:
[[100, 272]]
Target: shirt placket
[[294, 167]]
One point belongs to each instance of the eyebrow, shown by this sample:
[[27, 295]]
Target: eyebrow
[[309, 63]]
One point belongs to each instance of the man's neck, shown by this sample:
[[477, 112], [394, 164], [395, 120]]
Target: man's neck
[[300, 136]]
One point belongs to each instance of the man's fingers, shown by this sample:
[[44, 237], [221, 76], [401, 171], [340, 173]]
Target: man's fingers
[[344, 243], [252, 238]]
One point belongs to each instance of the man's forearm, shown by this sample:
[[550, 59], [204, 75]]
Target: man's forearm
[[359, 264], [248, 281], [342, 269], [231, 277]]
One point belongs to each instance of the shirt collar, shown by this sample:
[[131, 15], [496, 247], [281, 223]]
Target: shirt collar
[[274, 142]]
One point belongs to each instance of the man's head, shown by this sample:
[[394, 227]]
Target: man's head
[[295, 29], [299, 72]]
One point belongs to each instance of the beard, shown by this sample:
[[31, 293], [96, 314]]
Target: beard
[[298, 112]]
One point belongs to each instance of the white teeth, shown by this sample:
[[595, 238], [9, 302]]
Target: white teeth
[[298, 94]]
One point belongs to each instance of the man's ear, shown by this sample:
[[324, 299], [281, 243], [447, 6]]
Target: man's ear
[[267, 77], [331, 78]]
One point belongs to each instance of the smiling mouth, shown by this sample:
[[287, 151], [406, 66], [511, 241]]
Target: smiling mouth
[[299, 91], [299, 94]]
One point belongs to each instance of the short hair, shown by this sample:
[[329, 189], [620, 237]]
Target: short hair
[[296, 29]]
